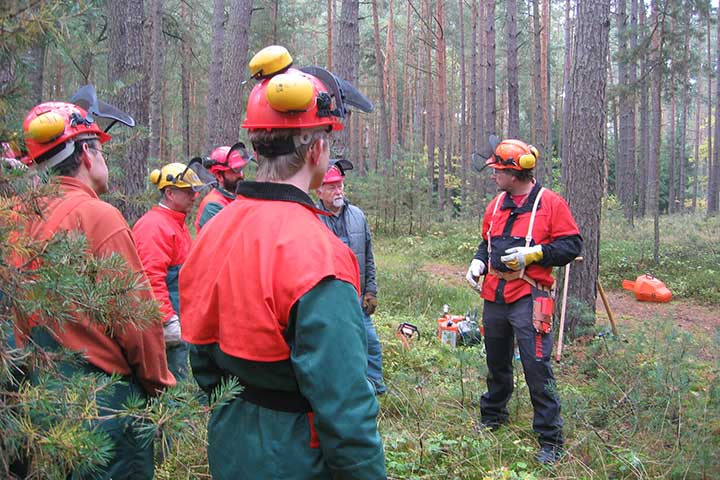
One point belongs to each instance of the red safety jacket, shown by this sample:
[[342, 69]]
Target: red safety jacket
[[128, 350], [213, 196], [507, 225], [243, 275], [163, 242]]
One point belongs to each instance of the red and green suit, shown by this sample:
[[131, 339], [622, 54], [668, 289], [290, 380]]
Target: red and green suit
[[270, 297]]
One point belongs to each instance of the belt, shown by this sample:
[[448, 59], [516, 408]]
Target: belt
[[519, 275], [291, 402]]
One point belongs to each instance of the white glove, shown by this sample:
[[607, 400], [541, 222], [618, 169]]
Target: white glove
[[171, 329], [518, 258], [477, 267]]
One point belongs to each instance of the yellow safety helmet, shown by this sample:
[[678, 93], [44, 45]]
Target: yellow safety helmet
[[176, 175], [269, 61]]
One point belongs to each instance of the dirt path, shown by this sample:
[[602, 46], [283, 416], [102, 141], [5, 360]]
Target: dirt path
[[689, 315]]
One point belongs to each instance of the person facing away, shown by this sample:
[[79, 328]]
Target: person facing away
[[65, 142], [226, 164], [163, 242], [349, 223], [526, 231], [270, 298]]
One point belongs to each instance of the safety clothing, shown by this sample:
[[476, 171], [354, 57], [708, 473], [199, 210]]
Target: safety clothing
[[476, 269], [279, 304], [332, 175], [270, 61], [171, 330], [517, 258], [514, 155], [163, 242], [211, 204], [176, 175], [128, 351], [554, 228], [369, 303], [52, 124]]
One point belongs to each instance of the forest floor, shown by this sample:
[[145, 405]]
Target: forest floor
[[687, 314]]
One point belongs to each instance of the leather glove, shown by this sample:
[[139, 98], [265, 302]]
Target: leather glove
[[517, 258], [477, 268], [171, 329], [369, 303]]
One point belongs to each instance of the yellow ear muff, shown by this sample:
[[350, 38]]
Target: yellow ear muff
[[154, 177], [46, 127], [527, 161], [289, 92], [269, 60]]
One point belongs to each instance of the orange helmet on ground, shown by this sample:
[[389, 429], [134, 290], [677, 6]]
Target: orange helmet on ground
[[512, 154]]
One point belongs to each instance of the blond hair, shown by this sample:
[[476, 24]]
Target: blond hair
[[282, 167]]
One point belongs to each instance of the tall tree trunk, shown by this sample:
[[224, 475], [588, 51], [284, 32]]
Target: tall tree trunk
[[709, 112], [127, 65], [490, 72], [672, 141], [36, 72], [156, 57], [547, 153], [684, 100], [429, 107], [236, 53], [185, 79], [330, 19], [513, 92], [714, 172], [567, 87], [391, 80], [653, 171], [464, 160], [538, 135], [644, 144], [382, 94], [696, 160], [213, 137], [346, 58], [441, 104], [586, 144], [625, 161]]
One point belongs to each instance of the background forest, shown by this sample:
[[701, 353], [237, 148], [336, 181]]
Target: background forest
[[622, 99]]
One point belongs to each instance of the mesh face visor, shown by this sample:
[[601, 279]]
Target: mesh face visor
[[107, 115], [197, 176]]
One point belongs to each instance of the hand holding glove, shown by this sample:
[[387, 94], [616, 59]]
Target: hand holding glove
[[517, 258], [477, 268], [171, 330], [369, 303]]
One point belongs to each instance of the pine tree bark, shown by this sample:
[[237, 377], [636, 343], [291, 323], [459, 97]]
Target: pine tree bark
[[441, 104], [547, 152], [236, 56], [382, 94], [346, 59], [126, 64], [625, 161], [586, 144], [185, 79], [538, 134], [567, 86], [709, 113], [157, 70], [642, 158], [513, 92], [391, 81], [213, 137], [653, 170], [714, 172], [464, 155]]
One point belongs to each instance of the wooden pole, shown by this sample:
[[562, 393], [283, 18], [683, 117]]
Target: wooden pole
[[566, 280], [607, 308]]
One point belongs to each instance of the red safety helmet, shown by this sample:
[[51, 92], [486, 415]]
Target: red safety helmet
[[293, 99], [336, 170], [51, 124], [227, 158], [512, 154]]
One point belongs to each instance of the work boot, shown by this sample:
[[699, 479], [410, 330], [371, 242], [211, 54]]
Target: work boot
[[548, 454]]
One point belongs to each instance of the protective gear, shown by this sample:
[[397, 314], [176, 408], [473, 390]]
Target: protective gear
[[477, 268], [51, 124], [337, 168], [176, 175], [269, 61], [291, 98], [171, 330], [369, 303], [513, 155], [226, 158], [517, 258]]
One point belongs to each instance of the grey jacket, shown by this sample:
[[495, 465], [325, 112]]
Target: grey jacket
[[352, 228]]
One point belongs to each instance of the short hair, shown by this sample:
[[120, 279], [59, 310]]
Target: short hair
[[524, 175], [282, 167], [71, 165]]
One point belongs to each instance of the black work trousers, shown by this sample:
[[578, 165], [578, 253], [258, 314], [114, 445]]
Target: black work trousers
[[504, 322]]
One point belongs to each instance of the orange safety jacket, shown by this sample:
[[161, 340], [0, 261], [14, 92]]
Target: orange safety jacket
[[128, 350], [163, 242], [243, 275], [507, 225]]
